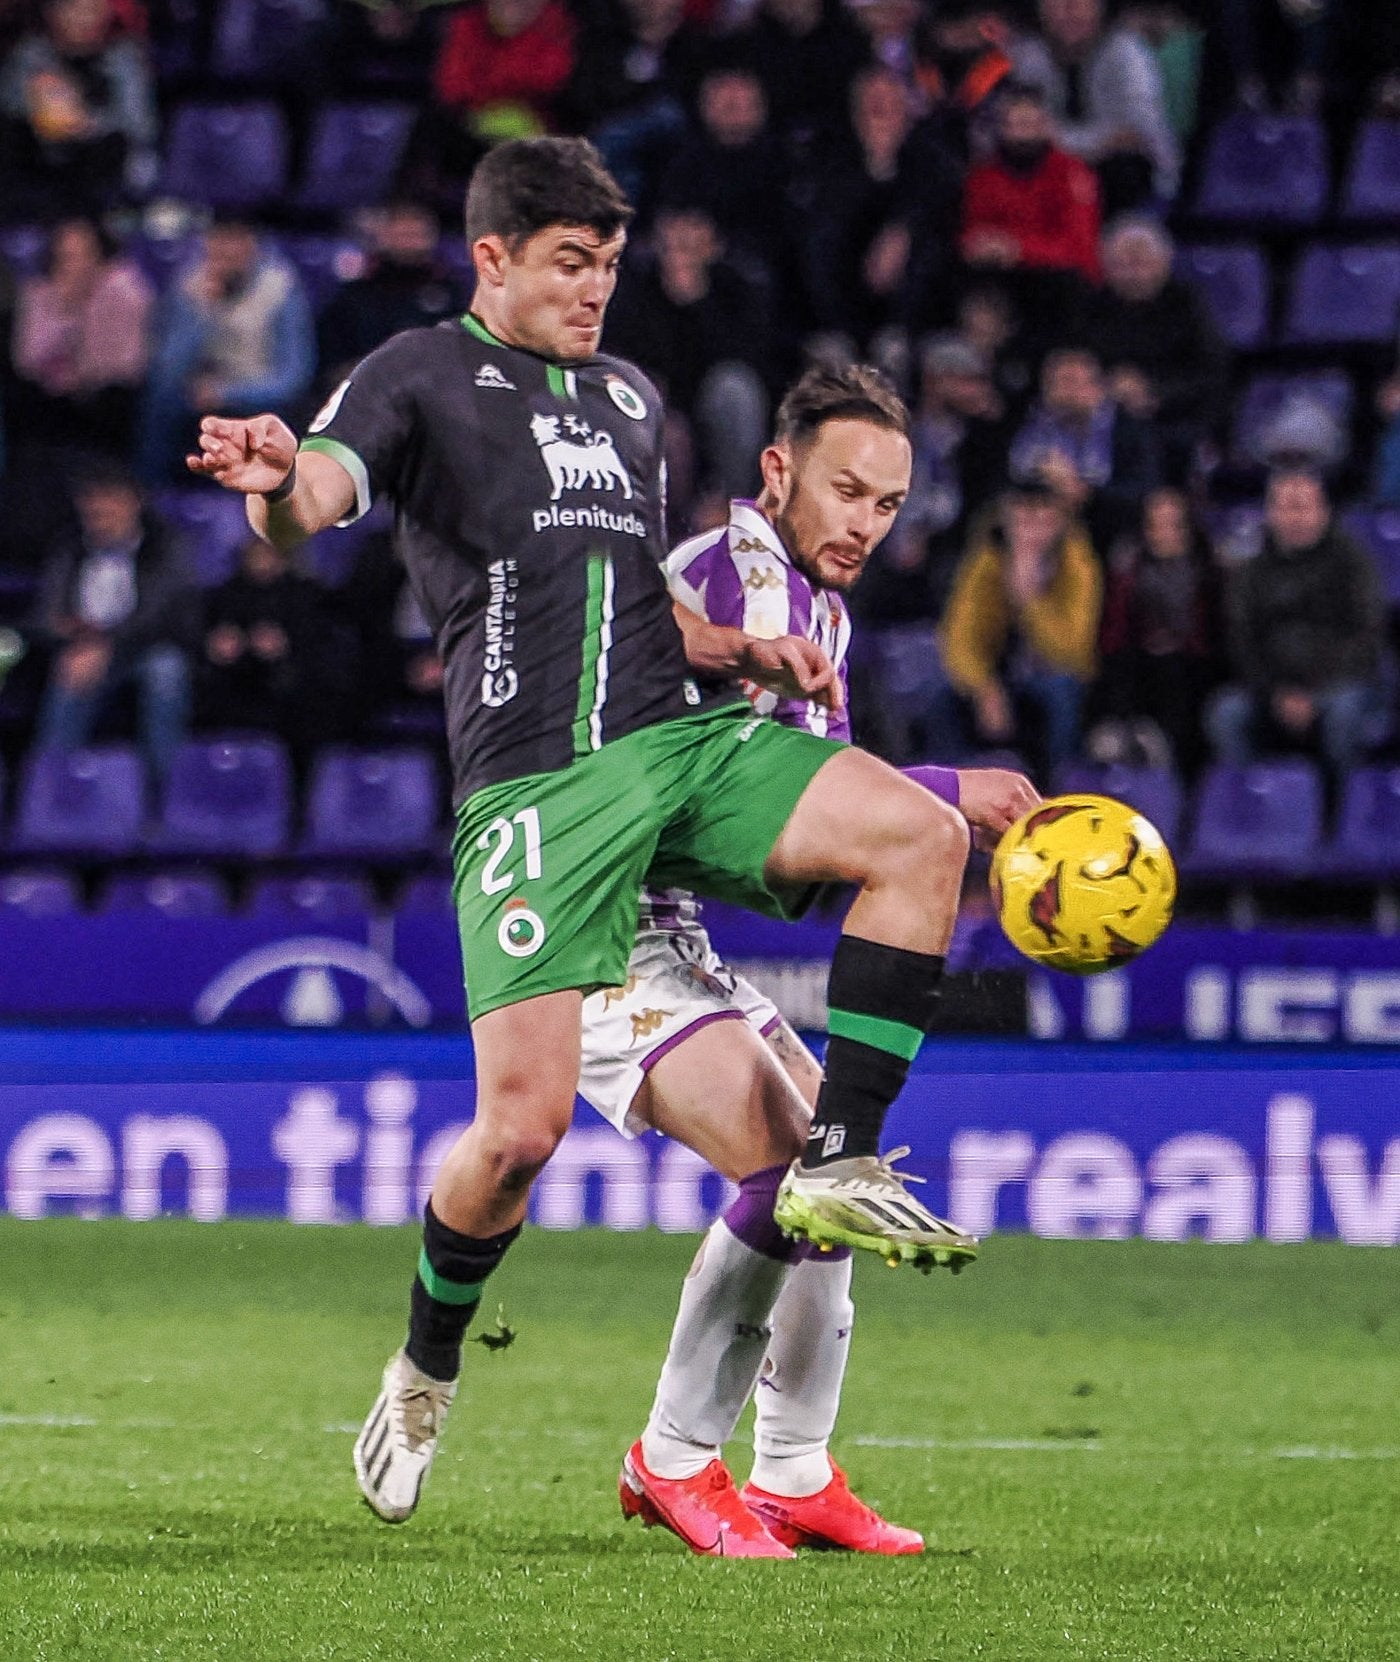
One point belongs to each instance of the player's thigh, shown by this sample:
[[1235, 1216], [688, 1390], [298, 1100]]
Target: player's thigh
[[527, 1064], [627, 1028], [723, 1093], [856, 815], [801, 1067], [744, 779], [546, 875]]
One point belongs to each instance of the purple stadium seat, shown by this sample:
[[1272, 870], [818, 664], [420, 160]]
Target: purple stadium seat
[[212, 527], [456, 259], [314, 901], [81, 802], [1262, 169], [323, 262], [23, 248], [1379, 529], [426, 895], [1234, 278], [39, 894], [354, 155], [1344, 296], [1372, 186], [1154, 792], [373, 804], [1260, 821], [163, 258], [1367, 842], [1237, 531], [1267, 396], [230, 795], [170, 894], [330, 555], [226, 155], [266, 41]]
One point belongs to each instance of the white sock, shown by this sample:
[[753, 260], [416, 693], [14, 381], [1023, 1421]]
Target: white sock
[[799, 1390], [717, 1347]]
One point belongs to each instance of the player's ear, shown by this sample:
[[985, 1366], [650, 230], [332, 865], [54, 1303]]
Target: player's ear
[[775, 465], [491, 256]]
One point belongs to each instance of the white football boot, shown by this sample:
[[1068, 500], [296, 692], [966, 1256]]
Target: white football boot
[[400, 1438], [864, 1203]]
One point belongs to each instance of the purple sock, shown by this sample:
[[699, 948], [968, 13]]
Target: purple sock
[[750, 1220]]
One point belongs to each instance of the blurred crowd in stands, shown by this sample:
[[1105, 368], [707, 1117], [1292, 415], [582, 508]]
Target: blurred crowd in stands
[[1136, 268]]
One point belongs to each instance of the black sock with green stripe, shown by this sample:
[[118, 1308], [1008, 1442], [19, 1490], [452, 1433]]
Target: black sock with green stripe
[[882, 1001], [447, 1291]]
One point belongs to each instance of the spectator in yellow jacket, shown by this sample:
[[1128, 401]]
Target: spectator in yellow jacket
[[1018, 634]]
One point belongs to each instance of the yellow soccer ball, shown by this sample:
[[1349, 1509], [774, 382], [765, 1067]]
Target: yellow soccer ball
[[1083, 883]]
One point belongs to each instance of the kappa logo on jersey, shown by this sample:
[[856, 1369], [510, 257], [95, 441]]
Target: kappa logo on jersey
[[579, 458], [750, 545], [646, 1022], [489, 376], [759, 579], [615, 995]]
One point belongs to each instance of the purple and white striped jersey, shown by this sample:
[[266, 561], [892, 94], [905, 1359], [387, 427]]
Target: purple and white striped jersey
[[741, 577]]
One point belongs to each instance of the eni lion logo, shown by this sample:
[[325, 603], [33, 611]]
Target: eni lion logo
[[583, 461]]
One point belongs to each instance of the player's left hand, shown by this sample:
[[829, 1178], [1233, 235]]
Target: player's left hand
[[991, 800], [793, 667]]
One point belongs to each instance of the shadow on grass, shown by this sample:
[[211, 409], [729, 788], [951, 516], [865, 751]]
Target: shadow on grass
[[82, 1542]]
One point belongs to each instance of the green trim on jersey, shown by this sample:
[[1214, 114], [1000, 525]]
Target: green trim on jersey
[[563, 383], [474, 326], [597, 645], [359, 473], [895, 1038]]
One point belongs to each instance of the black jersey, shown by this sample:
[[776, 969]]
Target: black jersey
[[529, 509]]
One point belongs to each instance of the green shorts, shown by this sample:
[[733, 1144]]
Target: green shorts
[[547, 869]]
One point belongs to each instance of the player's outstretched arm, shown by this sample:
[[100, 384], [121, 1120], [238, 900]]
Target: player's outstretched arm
[[289, 497], [791, 666], [992, 800]]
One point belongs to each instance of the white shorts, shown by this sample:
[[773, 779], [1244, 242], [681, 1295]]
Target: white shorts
[[676, 984]]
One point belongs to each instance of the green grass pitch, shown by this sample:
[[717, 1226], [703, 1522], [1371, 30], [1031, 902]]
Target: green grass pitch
[[1116, 1450]]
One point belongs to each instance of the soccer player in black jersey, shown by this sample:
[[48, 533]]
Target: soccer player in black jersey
[[599, 740]]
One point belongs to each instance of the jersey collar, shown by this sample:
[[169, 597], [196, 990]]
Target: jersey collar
[[745, 521], [474, 326]]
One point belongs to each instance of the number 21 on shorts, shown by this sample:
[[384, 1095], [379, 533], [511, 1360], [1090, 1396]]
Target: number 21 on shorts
[[501, 834]]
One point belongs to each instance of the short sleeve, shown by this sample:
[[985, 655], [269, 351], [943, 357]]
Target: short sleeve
[[365, 424]]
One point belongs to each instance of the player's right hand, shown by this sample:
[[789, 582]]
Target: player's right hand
[[793, 667], [993, 799], [250, 455]]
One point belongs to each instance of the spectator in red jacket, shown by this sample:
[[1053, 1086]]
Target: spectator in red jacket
[[503, 64], [1031, 206]]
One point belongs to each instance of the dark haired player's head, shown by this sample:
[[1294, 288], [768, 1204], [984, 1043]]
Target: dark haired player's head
[[836, 471], [546, 224]]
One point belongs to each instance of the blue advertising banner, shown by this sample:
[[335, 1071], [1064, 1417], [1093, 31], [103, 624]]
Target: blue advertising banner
[[1220, 1143], [270, 968]]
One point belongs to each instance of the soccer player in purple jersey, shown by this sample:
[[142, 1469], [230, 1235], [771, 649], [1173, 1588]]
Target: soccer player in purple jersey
[[691, 1048]]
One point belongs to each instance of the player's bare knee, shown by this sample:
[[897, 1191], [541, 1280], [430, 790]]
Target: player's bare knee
[[922, 834], [515, 1156]]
